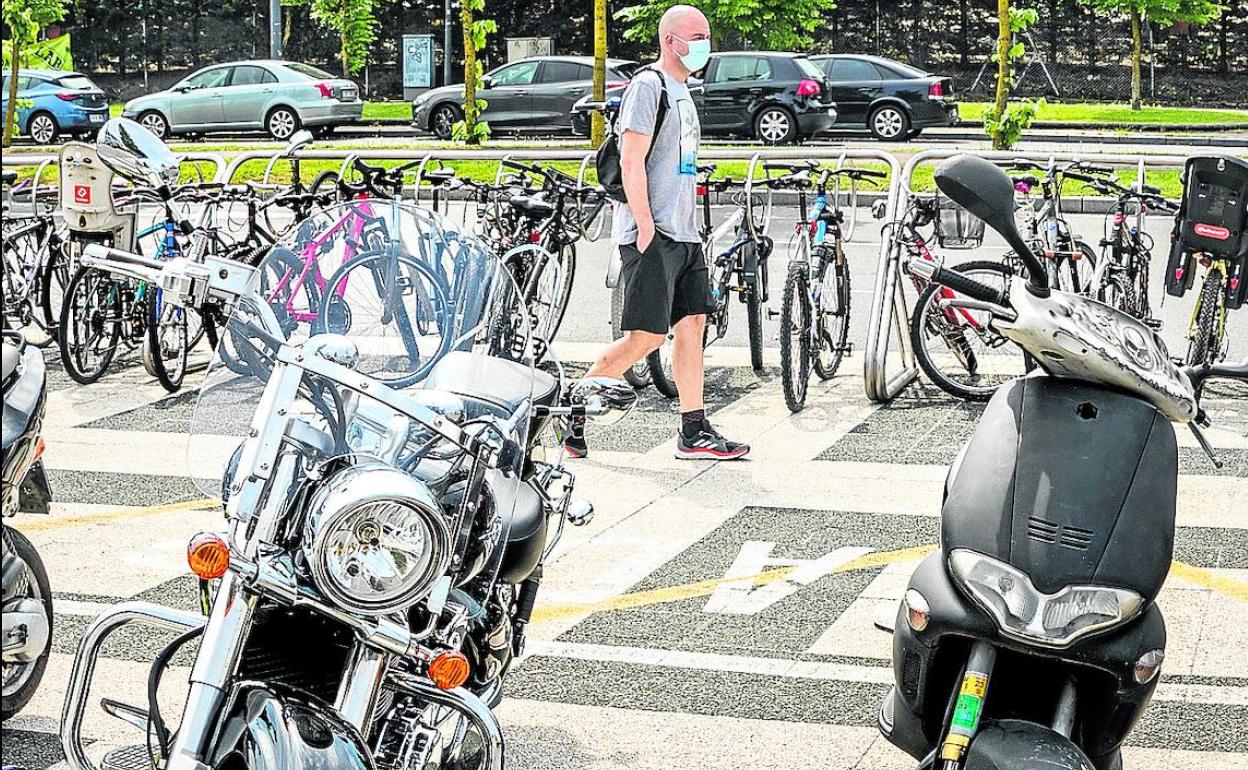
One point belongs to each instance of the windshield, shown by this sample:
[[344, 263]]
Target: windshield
[[309, 70], [396, 294]]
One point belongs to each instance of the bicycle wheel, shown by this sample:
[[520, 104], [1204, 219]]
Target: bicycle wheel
[[381, 296], [832, 320], [168, 341], [90, 325], [53, 279], [956, 348], [1204, 344], [546, 291], [754, 303], [795, 332], [638, 375], [662, 370]]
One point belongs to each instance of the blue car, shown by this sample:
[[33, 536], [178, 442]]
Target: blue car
[[52, 103]]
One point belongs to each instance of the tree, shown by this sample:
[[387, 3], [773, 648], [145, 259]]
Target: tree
[[470, 130], [597, 131], [1160, 12], [355, 21], [1005, 121], [783, 25], [24, 18]]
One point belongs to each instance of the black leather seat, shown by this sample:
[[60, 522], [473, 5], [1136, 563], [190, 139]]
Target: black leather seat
[[502, 383], [533, 208]]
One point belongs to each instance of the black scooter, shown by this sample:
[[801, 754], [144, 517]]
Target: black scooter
[[27, 597], [1031, 640]]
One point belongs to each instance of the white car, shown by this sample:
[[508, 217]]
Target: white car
[[277, 97]]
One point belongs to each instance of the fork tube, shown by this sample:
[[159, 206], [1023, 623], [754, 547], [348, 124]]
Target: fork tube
[[218, 658], [360, 686], [970, 704]]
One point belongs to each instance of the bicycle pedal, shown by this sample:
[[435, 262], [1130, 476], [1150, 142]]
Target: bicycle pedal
[[772, 314]]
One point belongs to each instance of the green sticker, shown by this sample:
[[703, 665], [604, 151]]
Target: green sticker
[[966, 714]]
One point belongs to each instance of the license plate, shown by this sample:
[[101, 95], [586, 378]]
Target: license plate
[[96, 118], [348, 94]]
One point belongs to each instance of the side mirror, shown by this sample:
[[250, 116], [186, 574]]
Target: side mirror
[[300, 139], [695, 85], [135, 153], [986, 191], [487, 81], [606, 399]]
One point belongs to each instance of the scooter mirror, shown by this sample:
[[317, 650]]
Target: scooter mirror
[[986, 191], [606, 399]]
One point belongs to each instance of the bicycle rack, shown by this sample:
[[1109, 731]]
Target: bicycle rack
[[882, 386]]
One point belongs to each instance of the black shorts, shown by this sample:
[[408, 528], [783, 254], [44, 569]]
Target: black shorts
[[663, 284]]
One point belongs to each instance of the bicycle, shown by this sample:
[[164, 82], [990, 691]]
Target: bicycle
[[1206, 332], [1070, 261], [1121, 277], [35, 265], [815, 306], [739, 269]]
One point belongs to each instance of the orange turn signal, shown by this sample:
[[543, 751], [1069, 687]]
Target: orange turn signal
[[208, 555], [40, 445], [449, 670]]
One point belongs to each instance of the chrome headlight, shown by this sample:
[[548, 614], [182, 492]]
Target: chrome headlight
[[375, 539], [1023, 612]]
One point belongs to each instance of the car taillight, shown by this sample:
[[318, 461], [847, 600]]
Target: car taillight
[[936, 90], [616, 84], [326, 91], [68, 96], [808, 87]]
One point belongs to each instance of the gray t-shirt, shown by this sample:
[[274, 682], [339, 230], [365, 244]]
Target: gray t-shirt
[[672, 172]]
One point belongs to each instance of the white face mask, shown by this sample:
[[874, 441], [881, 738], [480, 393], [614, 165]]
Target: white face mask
[[699, 53]]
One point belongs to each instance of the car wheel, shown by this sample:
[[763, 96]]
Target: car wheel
[[442, 123], [156, 123], [775, 125], [42, 128], [915, 133], [890, 123], [282, 123]]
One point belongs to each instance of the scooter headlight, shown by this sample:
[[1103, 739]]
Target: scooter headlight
[[1023, 612], [375, 539]]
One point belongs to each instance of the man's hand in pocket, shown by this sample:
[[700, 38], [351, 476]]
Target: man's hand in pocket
[[645, 236]]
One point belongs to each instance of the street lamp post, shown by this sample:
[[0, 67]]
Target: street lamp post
[[447, 44], [275, 29]]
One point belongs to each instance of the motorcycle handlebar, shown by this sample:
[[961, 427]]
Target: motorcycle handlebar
[[972, 288]]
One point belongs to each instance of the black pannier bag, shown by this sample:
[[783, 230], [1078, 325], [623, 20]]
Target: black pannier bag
[[1212, 221]]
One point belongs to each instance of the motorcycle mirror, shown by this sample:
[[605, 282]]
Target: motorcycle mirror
[[606, 399], [133, 152], [986, 191], [299, 140], [879, 209]]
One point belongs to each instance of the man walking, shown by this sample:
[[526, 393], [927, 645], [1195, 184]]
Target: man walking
[[666, 284]]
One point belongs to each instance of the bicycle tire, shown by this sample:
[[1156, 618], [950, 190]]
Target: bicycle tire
[[325, 179], [1203, 348], [78, 372], [662, 371], [637, 375], [532, 286], [342, 324], [754, 312], [919, 324], [53, 283], [795, 313], [836, 341], [154, 349]]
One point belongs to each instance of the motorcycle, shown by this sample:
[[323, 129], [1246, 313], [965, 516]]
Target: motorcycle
[[390, 505], [27, 596], [1032, 639]]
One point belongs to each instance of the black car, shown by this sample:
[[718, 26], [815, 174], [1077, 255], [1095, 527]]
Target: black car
[[773, 97], [776, 98], [530, 94], [893, 101]]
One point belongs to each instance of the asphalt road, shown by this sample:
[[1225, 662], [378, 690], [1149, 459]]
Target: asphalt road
[[645, 652]]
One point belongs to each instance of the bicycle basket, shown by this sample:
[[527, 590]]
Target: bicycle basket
[[957, 228]]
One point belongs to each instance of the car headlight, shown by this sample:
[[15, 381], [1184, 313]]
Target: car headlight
[[375, 539], [1023, 612]]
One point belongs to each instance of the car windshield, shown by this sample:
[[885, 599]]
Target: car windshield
[[308, 70], [76, 82], [808, 67]]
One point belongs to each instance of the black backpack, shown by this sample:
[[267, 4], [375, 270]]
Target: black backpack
[[610, 176]]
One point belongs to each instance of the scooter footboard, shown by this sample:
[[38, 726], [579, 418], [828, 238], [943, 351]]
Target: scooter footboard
[[80, 678]]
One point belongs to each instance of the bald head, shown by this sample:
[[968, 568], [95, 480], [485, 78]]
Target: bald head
[[680, 25]]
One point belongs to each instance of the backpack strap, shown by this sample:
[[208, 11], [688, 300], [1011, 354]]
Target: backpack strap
[[661, 112]]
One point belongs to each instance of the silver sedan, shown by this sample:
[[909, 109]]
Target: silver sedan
[[278, 97]]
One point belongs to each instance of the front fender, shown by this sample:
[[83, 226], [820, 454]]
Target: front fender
[[1011, 744], [270, 727]]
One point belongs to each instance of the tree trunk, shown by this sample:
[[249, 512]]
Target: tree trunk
[[1003, 68], [470, 76], [597, 132], [1137, 53], [10, 111], [964, 34], [346, 62]]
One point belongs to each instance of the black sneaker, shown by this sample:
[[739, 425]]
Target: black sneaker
[[574, 440], [707, 444]]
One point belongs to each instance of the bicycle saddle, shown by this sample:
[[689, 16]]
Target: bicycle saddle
[[440, 175], [10, 177], [532, 207]]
